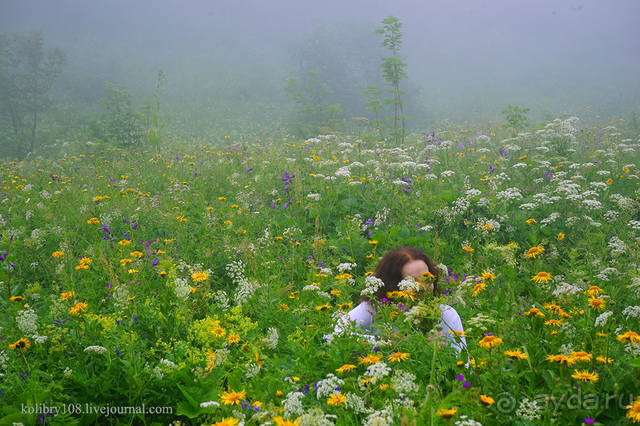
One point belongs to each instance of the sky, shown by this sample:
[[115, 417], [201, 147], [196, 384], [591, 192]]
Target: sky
[[466, 59]]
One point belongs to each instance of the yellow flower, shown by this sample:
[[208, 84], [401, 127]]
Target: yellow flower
[[560, 359], [233, 338], [534, 311], [398, 356], [137, 254], [335, 292], [604, 360], [560, 236], [487, 276], [57, 254], [181, 218], [542, 276], [625, 169], [609, 181], [78, 308], [373, 242], [594, 290], [228, 222], [585, 376], [553, 322], [124, 243], [93, 221], [68, 295], [21, 345], [490, 341], [446, 413], [227, 421], [634, 410], [468, 249], [282, 422], [531, 220], [345, 368], [478, 288], [597, 303], [516, 354], [486, 400], [279, 393], [125, 261], [132, 271], [533, 252], [199, 276], [370, 359], [323, 307], [629, 336], [580, 356], [218, 331], [336, 399], [232, 397]]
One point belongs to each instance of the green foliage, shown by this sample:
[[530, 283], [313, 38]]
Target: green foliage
[[313, 112], [393, 71], [516, 118], [27, 73], [119, 122]]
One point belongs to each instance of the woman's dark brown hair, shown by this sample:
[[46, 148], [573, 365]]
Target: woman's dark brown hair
[[389, 269]]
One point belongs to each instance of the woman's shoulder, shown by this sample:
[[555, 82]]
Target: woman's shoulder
[[448, 311]]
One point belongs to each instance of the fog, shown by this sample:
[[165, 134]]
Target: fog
[[227, 62]]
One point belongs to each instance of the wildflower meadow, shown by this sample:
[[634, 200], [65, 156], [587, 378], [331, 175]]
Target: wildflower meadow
[[200, 283]]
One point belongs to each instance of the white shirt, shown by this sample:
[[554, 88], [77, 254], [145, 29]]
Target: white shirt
[[362, 315]]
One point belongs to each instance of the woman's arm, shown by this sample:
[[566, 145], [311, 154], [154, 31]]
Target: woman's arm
[[452, 328]]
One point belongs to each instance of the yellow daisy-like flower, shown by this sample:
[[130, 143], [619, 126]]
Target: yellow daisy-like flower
[[57, 254], [124, 242], [446, 413], [323, 307], [560, 236], [594, 290], [553, 307], [468, 249], [336, 399], [560, 359], [585, 376], [78, 308], [629, 336], [604, 360], [490, 341], [581, 356], [335, 292], [534, 311], [20, 345], [93, 221], [345, 368], [478, 288], [199, 276], [597, 303], [487, 400], [545, 277], [370, 359], [609, 181], [398, 356], [233, 338], [345, 306], [373, 242], [486, 275], [553, 322], [218, 331], [534, 252], [232, 397], [67, 295], [125, 261], [284, 307], [634, 410], [531, 220], [137, 254], [227, 421], [516, 353], [282, 422]]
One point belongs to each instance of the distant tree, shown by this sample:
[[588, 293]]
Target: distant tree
[[516, 118], [393, 70], [120, 123], [27, 73]]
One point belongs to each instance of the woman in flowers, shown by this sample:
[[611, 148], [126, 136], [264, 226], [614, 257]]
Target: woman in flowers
[[398, 270]]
